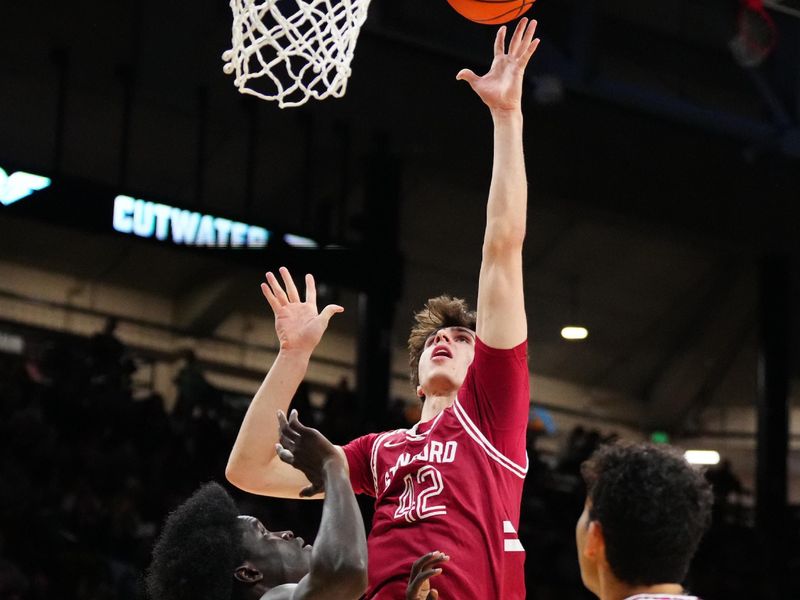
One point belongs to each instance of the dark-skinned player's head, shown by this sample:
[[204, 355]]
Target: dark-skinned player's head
[[441, 363], [207, 551], [646, 510]]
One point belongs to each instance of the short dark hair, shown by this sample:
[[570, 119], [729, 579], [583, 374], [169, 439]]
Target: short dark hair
[[438, 313], [198, 550], [653, 507]]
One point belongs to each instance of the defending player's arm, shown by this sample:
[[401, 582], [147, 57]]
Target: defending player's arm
[[338, 568], [253, 465], [501, 308]]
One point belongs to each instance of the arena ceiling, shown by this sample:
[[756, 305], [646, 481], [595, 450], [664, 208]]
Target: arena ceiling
[[660, 170]]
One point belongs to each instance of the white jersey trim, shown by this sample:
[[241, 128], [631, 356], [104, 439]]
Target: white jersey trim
[[492, 452], [373, 459], [513, 546], [414, 436]]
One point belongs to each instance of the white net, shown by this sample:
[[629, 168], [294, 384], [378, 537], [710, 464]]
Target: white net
[[293, 50]]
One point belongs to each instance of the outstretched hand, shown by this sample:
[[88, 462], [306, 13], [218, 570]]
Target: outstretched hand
[[299, 324], [306, 449], [419, 584], [501, 87]]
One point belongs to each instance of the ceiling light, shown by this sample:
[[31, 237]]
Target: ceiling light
[[702, 457], [573, 332]]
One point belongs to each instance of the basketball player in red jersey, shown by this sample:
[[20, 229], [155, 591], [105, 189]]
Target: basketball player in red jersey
[[453, 481]]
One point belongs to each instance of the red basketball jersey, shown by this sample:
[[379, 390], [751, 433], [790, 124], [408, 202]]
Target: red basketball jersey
[[452, 484]]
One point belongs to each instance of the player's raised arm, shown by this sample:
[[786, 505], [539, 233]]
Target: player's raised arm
[[338, 568], [253, 465], [501, 308]]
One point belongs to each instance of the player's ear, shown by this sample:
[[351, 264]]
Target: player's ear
[[247, 573], [420, 393], [595, 542]]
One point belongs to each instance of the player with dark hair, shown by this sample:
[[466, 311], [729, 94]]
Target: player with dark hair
[[207, 551], [646, 510], [454, 480]]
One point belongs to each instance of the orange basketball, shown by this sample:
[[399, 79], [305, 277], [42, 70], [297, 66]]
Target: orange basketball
[[491, 12]]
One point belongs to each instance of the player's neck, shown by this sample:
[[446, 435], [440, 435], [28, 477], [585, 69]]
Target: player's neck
[[436, 404]]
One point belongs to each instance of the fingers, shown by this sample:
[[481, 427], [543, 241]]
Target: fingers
[[434, 562], [421, 578], [311, 290], [291, 289], [294, 431], [288, 436], [530, 50], [329, 311], [297, 429], [284, 454], [467, 75], [424, 576], [275, 293], [273, 301], [277, 297], [428, 559], [523, 44], [296, 437], [529, 33], [283, 424], [311, 490], [294, 423], [427, 575], [529, 44], [281, 419], [425, 566], [423, 569], [276, 289], [288, 427], [436, 557], [500, 41], [420, 562], [515, 45]]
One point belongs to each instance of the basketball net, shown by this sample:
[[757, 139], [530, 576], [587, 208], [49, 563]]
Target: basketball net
[[290, 54]]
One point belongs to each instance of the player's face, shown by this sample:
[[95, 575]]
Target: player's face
[[587, 564], [447, 355], [278, 555]]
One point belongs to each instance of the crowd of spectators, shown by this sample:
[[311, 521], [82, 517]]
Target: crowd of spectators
[[88, 472]]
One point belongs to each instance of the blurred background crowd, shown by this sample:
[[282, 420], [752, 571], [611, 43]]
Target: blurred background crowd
[[90, 465]]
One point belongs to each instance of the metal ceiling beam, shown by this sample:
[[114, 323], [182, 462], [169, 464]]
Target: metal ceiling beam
[[573, 69], [783, 137]]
